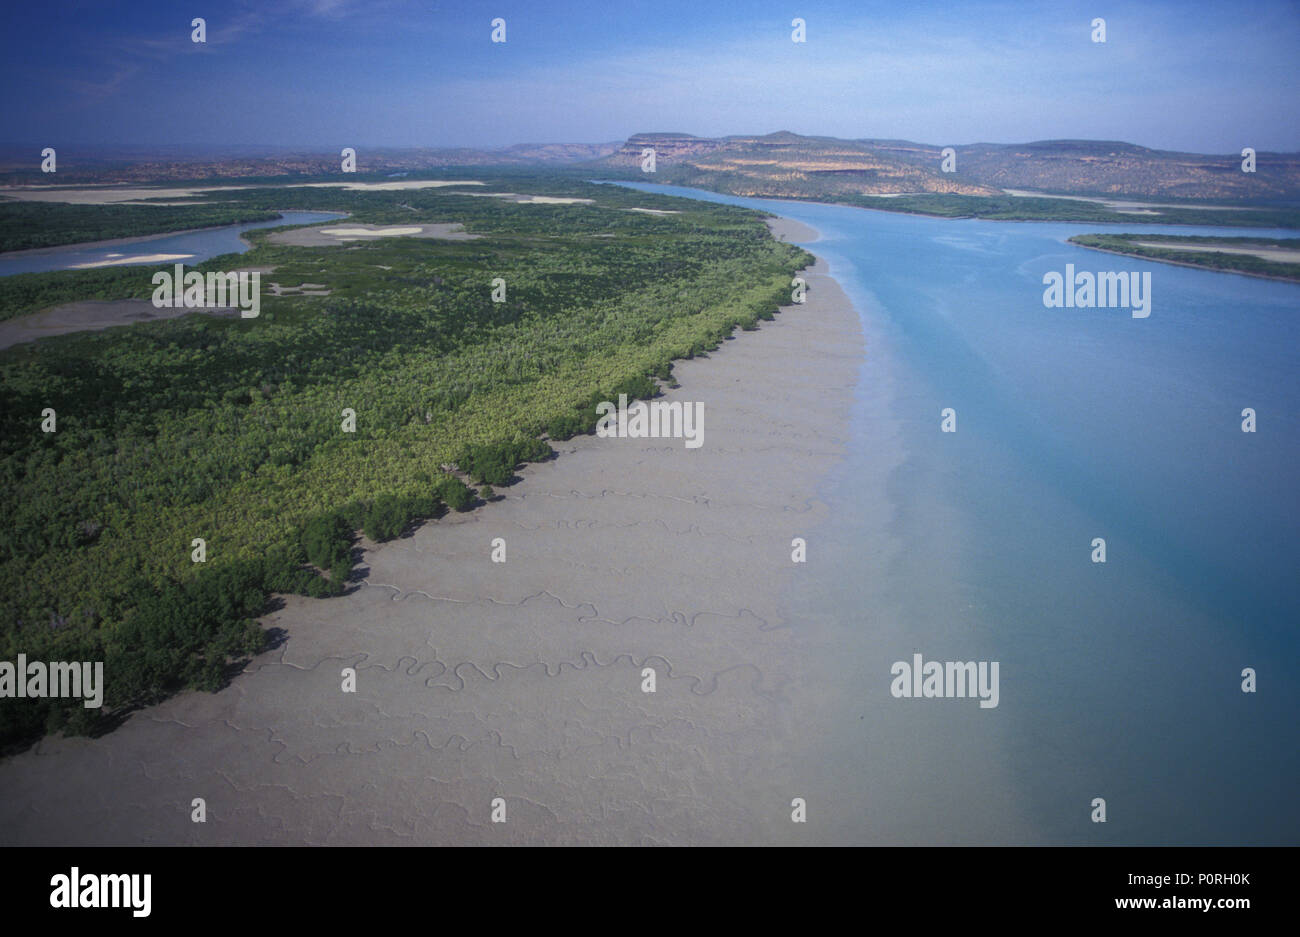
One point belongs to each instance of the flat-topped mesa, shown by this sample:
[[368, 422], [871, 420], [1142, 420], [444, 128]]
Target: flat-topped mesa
[[667, 146]]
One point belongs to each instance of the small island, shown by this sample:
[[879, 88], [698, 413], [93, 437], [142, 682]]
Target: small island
[[1273, 258]]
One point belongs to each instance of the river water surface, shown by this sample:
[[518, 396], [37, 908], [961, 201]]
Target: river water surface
[[1119, 680]]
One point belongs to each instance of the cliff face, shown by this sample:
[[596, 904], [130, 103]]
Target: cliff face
[[668, 147]]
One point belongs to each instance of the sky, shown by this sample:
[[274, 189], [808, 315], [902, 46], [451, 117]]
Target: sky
[[1199, 77]]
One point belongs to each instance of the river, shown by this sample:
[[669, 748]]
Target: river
[[189, 247], [1119, 680]]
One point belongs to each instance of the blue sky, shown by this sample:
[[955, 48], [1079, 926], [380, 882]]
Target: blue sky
[[1206, 77]]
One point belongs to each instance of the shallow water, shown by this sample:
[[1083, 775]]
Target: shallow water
[[1119, 680], [196, 246]]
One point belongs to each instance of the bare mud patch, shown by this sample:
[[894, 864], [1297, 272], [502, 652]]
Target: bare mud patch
[[91, 316]]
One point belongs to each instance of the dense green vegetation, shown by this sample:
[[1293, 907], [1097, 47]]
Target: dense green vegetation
[[1209, 258], [26, 225], [495, 462], [230, 429]]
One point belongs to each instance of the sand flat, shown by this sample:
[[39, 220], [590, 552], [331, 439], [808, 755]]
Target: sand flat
[[531, 199], [1279, 255], [389, 231], [134, 259], [522, 680], [108, 194], [550, 200], [302, 289], [386, 186], [327, 235], [1125, 206], [787, 229]]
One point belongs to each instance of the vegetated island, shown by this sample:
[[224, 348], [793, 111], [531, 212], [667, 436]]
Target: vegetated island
[[236, 431], [1273, 258], [1067, 208]]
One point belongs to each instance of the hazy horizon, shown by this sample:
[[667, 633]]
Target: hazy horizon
[[254, 149]]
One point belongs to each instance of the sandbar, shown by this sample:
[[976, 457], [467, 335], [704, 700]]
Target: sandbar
[[1279, 255], [132, 259]]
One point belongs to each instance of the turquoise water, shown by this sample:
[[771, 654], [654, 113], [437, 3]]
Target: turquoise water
[[198, 245], [1119, 680]]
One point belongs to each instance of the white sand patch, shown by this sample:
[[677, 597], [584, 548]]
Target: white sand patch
[[394, 231], [302, 289], [531, 199], [122, 260], [1279, 255], [654, 211], [342, 234], [386, 186], [550, 200], [1121, 204]]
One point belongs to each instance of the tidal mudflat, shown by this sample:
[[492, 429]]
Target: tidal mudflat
[[523, 680], [90, 316]]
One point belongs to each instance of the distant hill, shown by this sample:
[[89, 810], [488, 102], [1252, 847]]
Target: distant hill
[[788, 165], [1109, 168]]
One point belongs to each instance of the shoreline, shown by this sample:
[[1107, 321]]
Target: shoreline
[[791, 231], [1183, 263], [524, 679]]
